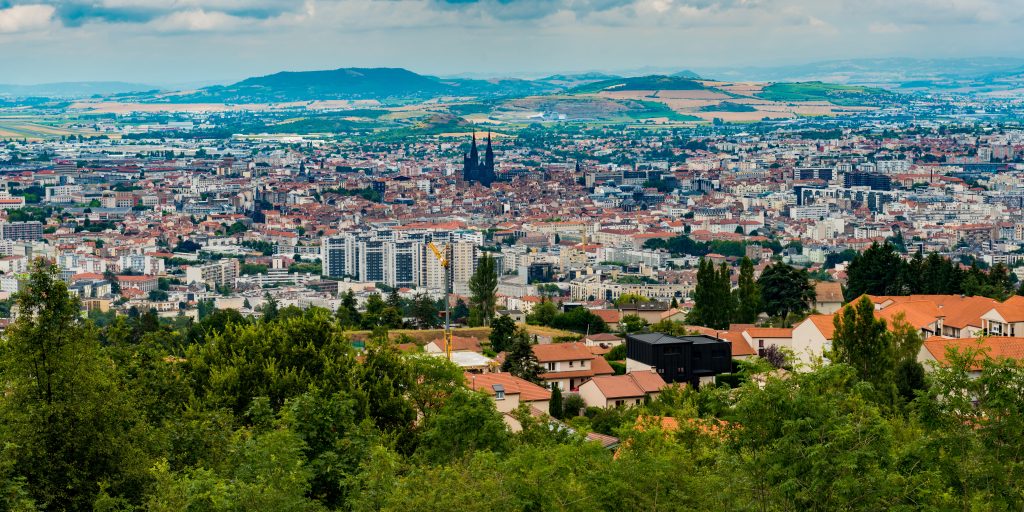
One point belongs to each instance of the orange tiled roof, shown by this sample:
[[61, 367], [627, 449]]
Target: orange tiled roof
[[527, 391]]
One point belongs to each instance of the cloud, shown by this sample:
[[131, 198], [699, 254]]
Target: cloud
[[75, 13], [196, 20], [24, 18]]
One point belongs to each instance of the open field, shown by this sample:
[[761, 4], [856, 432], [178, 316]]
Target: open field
[[30, 128]]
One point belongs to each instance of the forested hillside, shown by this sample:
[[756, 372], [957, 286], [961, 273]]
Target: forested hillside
[[282, 413]]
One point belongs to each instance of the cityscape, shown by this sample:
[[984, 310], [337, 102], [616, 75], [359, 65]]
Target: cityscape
[[554, 278]]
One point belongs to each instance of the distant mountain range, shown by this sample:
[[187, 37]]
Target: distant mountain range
[[72, 89]]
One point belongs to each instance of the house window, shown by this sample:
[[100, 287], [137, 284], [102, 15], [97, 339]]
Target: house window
[[499, 391], [551, 367], [619, 403], [571, 363]]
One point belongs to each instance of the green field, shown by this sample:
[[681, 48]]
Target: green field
[[848, 95]]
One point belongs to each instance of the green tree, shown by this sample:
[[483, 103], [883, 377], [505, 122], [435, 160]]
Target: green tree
[[632, 323], [425, 312], [876, 271], [713, 300], [64, 412], [348, 312], [520, 359], [555, 405], [785, 290], [864, 342], [502, 331], [465, 424], [483, 287], [543, 313], [748, 294]]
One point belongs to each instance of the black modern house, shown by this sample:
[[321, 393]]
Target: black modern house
[[678, 359]]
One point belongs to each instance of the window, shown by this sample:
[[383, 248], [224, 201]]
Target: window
[[619, 403], [571, 363], [551, 367], [499, 391]]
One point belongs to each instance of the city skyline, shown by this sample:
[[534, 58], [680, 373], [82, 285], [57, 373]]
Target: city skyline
[[206, 41]]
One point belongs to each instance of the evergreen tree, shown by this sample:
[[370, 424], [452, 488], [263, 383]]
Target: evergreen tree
[[876, 271], [555, 404], [709, 307], [502, 331], [483, 287], [748, 294], [520, 359], [348, 312]]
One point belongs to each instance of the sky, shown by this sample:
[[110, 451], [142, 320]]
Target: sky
[[170, 42]]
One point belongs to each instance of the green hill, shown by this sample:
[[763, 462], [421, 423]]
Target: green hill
[[820, 91], [641, 83]]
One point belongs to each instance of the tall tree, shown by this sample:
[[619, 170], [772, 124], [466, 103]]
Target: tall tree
[[748, 294], [70, 423], [785, 290], [502, 331], [863, 342], [710, 307], [483, 288], [520, 359], [555, 404], [876, 271]]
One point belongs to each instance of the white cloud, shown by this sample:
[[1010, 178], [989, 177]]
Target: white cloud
[[24, 18], [196, 20]]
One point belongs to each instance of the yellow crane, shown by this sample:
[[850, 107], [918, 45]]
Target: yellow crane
[[442, 257]]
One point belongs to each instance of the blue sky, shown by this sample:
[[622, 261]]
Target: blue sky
[[186, 41]]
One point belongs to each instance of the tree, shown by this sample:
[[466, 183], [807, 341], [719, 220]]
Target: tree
[[269, 308], [465, 424], [348, 312], [542, 314], [785, 290], [520, 359], [627, 299], [66, 418], [632, 323], [713, 300], [483, 286], [425, 312], [555, 407], [748, 294], [502, 331], [460, 311], [876, 271], [863, 342]]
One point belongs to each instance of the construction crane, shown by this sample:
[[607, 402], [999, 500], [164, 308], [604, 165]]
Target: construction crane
[[442, 257]]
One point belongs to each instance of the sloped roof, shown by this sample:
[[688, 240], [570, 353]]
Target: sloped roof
[[562, 352], [630, 385], [527, 391], [996, 347], [827, 291], [770, 332]]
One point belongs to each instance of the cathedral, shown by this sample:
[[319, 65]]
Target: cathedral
[[475, 170]]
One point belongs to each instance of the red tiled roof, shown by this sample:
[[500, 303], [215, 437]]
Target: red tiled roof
[[527, 391]]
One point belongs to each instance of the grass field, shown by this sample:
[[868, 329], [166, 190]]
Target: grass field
[[819, 91], [32, 129]]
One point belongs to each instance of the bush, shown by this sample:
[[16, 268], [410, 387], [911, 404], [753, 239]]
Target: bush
[[620, 368], [572, 405], [617, 353]]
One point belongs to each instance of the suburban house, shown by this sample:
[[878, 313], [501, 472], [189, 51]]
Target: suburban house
[[618, 390], [690, 359], [812, 338], [459, 344], [568, 365], [649, 311], [760, 338], [603, 340], [828, 297], [1005, 319], [934, 351], [509, 391]]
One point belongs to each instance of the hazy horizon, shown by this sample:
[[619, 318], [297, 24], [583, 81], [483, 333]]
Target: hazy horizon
[[205, 41]]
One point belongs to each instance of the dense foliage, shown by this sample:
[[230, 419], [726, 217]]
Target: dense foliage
[[237, 414], [880, 270]]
